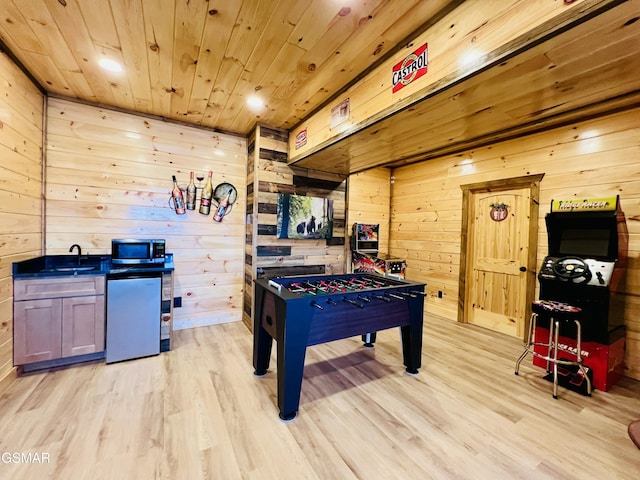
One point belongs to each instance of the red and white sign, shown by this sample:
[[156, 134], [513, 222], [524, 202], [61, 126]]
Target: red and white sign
[[301, 138], [412, 67]]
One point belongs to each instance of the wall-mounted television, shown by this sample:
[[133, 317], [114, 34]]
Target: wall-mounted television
[[303, 217]]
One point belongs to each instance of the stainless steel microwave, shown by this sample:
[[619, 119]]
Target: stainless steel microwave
[[135, 251]]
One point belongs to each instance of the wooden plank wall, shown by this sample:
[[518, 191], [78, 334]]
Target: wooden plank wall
[[108, 175], [21, 107], [267, 176], [251, 234], [593, 158], [368, 201]]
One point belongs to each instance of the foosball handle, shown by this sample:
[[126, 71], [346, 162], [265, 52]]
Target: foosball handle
[[353, 302], [393, 295], [316, 304], [382, 297]]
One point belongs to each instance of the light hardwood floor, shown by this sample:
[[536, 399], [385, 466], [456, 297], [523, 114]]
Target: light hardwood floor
[[199, 412]]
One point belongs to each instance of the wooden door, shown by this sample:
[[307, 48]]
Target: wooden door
[[497, 283]]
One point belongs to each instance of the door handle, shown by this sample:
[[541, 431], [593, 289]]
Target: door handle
[[523, 269]]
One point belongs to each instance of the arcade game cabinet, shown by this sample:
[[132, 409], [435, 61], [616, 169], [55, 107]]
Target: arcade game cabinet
[[587, 260], [365, 257]]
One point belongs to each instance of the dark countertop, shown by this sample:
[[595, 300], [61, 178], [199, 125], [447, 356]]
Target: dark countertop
[[72, 265]]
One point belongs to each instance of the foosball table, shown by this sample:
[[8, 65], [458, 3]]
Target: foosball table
[[302, 311]]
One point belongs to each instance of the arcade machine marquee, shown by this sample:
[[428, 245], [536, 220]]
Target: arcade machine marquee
[[587, 260]]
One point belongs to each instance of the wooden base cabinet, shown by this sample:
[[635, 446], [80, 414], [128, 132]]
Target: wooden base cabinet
[[58, 317], [83, 325]]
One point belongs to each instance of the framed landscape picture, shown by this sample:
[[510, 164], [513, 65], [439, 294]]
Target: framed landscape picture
[[302, 217]]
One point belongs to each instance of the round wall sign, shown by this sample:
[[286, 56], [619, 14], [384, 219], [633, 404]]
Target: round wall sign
[[499, 212]]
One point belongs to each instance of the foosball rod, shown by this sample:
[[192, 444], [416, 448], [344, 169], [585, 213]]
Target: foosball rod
[[353, 302], [382, 297]]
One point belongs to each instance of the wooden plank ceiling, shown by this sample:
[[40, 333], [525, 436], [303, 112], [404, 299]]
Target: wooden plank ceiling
[[199, 61]]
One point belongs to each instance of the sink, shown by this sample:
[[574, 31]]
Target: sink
[[73, 269], [59, 265]]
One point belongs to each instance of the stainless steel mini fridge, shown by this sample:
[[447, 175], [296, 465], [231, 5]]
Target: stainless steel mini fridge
[[133, 316]]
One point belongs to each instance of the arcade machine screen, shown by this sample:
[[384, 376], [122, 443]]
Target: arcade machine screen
[[589, 243]]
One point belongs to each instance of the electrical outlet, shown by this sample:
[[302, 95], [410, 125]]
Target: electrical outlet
[[177, 302]]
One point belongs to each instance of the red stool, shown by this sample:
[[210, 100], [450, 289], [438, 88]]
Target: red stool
[[558, 313]]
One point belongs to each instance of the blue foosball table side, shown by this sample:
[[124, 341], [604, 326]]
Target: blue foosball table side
[[298, 312]]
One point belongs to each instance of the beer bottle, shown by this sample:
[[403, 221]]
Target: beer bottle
[[207, 194], [191, 194], [178, 199], [222, 207]]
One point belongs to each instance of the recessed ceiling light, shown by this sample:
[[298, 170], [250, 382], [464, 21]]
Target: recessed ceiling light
[[110, 65], [255, 102]]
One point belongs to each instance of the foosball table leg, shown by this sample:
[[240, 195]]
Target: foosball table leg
[[291, 348], [412, 342], [262, 341], [369, 339], [261, 351]]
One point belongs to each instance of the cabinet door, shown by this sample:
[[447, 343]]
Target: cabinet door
[[37, 331], [82, 325]]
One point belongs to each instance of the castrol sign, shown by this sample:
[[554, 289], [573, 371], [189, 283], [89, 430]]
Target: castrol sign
[[412, 67]]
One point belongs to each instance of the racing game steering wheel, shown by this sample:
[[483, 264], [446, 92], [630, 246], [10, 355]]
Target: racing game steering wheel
[[572, 268]]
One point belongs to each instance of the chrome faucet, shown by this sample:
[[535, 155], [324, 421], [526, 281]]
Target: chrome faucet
[[79, 251]]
